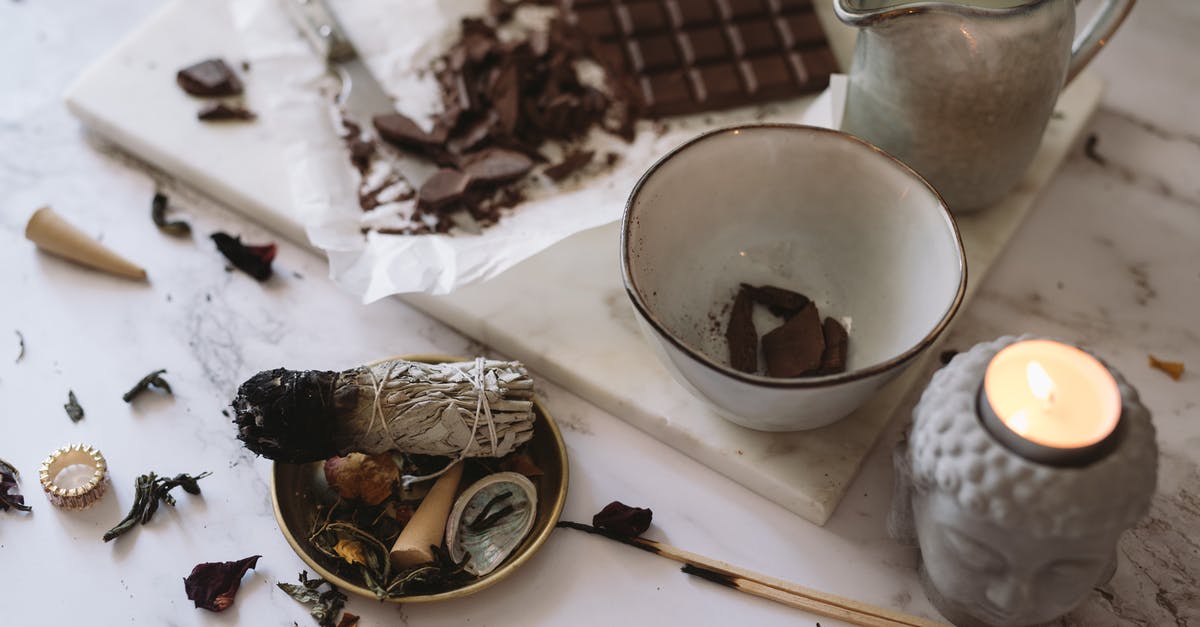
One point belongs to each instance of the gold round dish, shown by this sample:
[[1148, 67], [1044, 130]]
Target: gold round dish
[[298, 489]]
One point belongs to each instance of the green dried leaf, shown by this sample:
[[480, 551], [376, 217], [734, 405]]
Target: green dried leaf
[[74, 411], [149, 490], [323, 606], [154, 379], [158, 213]]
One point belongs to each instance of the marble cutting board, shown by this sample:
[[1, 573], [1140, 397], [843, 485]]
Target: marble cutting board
[[562, 312]]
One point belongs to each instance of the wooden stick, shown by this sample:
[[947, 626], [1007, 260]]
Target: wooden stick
[[428, 525], [778, 590]]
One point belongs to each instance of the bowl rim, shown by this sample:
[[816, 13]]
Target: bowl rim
[[510, 565], [635, 296]]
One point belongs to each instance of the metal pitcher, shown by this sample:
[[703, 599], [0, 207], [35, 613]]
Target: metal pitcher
[[961, 90]]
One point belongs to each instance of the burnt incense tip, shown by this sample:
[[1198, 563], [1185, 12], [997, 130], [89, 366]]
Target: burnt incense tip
[[287, 415]]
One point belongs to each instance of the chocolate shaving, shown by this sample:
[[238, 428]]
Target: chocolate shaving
[[741, 334], [444, 187], [253, 260], [833, 358], [212, 77], [494, 166], [158, 213], [222, 112], [794, 349], [781, 302], [213, 585], [623, 520], [574, 161], [1173, 369]]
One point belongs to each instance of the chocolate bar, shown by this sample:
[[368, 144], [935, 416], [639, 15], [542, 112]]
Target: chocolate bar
[[689, 56]]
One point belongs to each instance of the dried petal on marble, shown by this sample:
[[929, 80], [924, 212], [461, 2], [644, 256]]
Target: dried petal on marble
[[154, 379], [213, 585], [158, 213], [623, 519], [74, 409], [253, 260], [9, 497], [1173, 369], [322, 606], [366, 478]]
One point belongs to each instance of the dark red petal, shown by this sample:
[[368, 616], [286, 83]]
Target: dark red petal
[[213, 585], [623, 520]]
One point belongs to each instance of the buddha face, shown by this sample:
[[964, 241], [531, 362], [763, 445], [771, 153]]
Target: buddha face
[[1004, 577]]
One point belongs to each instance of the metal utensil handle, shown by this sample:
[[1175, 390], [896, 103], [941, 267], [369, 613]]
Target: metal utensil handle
[[1097, 33], [319, 26]]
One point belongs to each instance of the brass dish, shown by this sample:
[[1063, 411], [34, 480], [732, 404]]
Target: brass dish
[[297, 489]]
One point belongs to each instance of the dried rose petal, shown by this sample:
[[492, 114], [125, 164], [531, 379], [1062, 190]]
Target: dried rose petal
[[213, 585], [1173, 369], [348, 620], [623, 520], [366, 478], [253, 260]]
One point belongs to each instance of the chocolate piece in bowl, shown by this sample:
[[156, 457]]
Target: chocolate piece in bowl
[[833, 359], [689, 56], [794, 349], [223, 112], [212, 77], [781, 302], [741, 334]]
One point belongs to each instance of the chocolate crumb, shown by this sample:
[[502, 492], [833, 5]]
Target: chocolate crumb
[[833, 358], [212, 77], [221, 112], [794, 349], [741, 335], [572, 163]]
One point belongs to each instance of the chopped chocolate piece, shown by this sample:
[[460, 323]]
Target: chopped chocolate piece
[[741, 335], [219, 111], [444, 187], [689, 56], [401, 130], [781, 302], [496, 165], [572, 163], [833, 358], [209, 78], [794, 349]]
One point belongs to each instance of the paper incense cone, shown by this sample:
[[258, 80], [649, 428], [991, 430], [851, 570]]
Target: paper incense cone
[[428, 525], [55, 235]]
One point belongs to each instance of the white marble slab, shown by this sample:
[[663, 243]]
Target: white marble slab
[[562, 312]]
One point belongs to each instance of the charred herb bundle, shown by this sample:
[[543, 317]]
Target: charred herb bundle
[[9, 497], [154, 379], [472, 409], [149, 491], [323, 605]]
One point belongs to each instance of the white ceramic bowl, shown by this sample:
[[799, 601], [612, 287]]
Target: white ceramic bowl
[[808, 209]]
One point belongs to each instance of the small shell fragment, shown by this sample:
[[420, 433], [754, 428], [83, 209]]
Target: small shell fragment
[[490, 519]]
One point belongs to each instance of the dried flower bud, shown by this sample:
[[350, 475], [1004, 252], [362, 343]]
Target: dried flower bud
[[366, 478], [623, 520], [213, 585]]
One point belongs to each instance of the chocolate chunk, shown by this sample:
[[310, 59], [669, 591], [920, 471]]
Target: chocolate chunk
[[209, 78], [496, 165], [833, 359], [741, 335], [689, 56], [219, 111], [781, 302], [402, 131], [444, 187], [570, 164], [794, 349]]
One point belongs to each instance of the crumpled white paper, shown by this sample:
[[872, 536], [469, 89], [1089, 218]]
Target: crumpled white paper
[[399, 41]]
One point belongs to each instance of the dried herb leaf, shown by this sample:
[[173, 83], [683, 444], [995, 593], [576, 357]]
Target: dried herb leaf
[[213, 585], [158, 213], [351, 551], [149, 490], [154, 379], [20, 347], [323, 606], [253, 260], [74, 410], [1173, 369], [9, 497], [623, 520]]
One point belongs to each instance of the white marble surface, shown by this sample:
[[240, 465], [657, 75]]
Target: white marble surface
[[1108, 258]]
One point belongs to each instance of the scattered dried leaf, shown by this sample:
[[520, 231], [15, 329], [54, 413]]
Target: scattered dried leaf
[[351, 551], [9, 497], [158, 213], [149, 490], [1173, 369], [253, 260], [623, 520], [323, 606], [213, 585], [20, 348], [74, 410], [154, 379]]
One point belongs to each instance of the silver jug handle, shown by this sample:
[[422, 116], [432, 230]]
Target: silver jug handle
[[1097, 33]]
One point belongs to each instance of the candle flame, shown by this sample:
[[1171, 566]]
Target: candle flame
[[1040, 382]]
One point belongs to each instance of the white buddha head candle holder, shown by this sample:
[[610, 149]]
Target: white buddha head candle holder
[[1026, 461]]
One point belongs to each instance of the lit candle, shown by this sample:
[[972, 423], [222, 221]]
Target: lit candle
[[1051, 403]]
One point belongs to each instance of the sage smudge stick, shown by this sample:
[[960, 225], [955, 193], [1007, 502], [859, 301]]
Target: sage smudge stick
[[482, 408]]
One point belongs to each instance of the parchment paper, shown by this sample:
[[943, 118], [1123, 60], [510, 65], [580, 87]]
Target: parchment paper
[[399, 41]]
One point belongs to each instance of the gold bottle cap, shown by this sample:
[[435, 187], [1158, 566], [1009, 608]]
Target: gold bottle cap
[[82, 496]]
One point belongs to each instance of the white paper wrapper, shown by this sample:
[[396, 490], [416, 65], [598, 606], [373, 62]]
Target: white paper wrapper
[[399, 41]]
